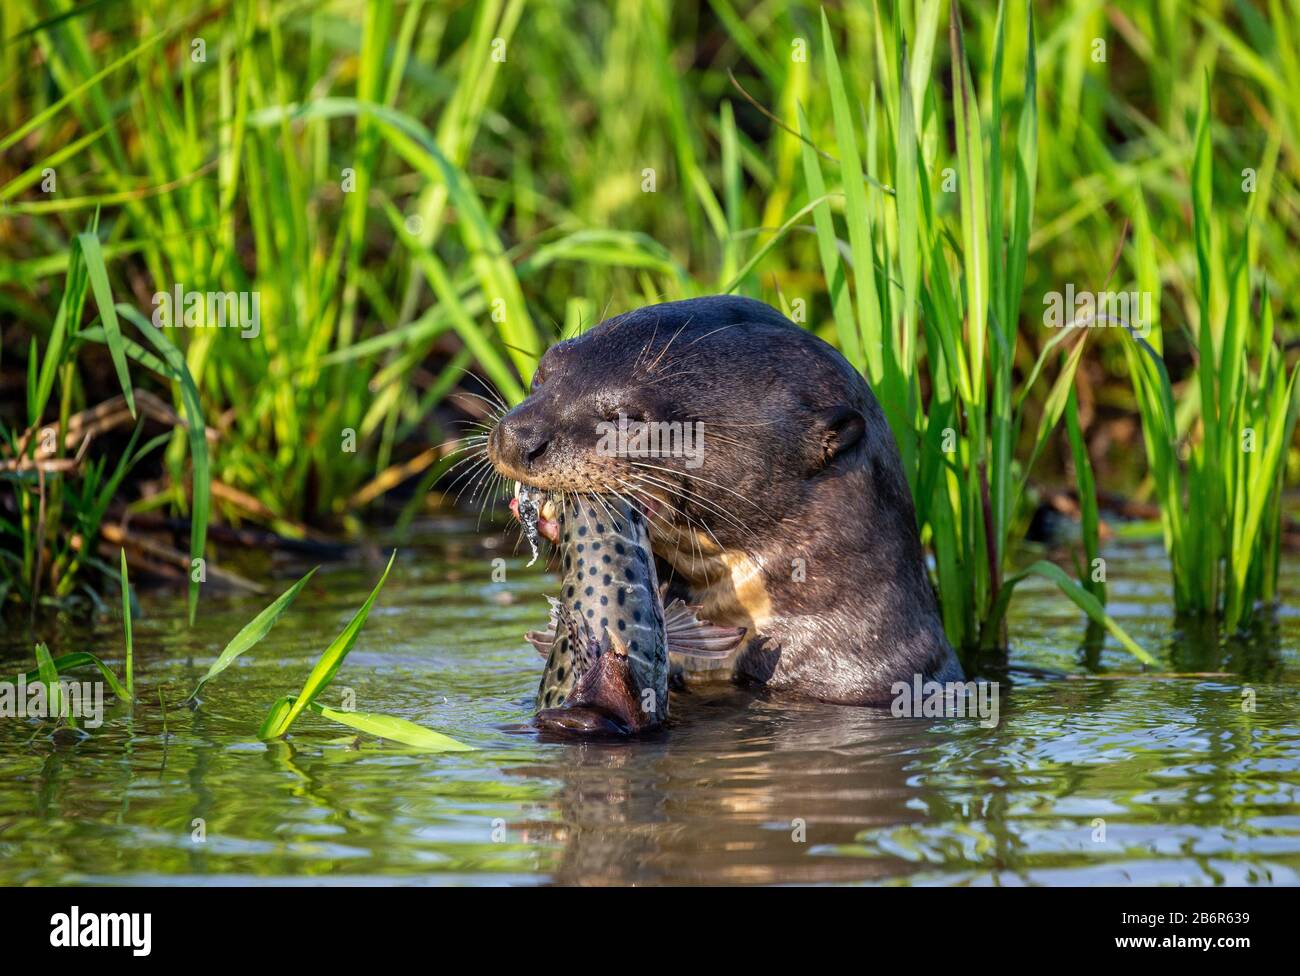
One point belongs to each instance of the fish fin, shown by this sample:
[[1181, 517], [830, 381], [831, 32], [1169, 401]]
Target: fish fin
[[615, 643], [585, 647], [689, 636], [543, 639]]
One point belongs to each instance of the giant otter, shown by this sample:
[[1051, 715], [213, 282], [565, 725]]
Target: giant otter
[[794, 521]]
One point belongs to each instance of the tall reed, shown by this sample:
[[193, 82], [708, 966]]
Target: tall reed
[[930, 299], [1219, 484]]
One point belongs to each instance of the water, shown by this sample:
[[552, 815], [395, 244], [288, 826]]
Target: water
[[1106, 780]]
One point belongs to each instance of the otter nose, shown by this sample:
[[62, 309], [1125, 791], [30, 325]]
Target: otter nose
[[518, 444]]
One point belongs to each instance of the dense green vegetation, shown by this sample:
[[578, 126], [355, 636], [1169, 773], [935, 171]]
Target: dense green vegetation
[[414, 190]]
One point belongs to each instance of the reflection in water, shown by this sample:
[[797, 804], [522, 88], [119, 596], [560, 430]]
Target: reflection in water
[[1115, 778], [739, 790]]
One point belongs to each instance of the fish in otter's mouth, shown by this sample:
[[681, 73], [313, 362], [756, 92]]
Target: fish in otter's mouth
[[609, 639]]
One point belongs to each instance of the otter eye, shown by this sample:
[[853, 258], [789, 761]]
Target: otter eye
[[632, 414]]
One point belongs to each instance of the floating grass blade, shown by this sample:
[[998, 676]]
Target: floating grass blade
[[390, 727]]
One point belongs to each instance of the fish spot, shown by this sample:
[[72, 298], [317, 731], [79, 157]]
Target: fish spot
[[633, 646], [592, 571], [569, 592], [622, 625], [605, 559], [559, 674], [595, 546], [608, 579], [604, 601], [622, 597], [582, 530], [581, 547], [636, 615], [604, 621], [619, 548], [591, 614], [629, 575], [591, 590]]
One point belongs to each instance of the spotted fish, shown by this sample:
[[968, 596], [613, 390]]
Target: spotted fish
[[607, 649]]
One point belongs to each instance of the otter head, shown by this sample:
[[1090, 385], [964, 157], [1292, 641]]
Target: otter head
[[716, 414]]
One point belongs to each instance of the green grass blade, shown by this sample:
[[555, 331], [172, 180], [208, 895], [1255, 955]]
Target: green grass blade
[[323, 673], [828, 249], [126, 624], [866, 347], [1080, 597], [98, 275], [396, 729], [1087, 488], [77, 659], [275, 718], [252, 632], [201, 479], [49, 676], [974, 198]]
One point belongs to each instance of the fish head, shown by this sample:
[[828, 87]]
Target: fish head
[[605, 701]]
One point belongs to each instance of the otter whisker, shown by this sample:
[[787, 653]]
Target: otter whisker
[[695, 477], [692, 498], [664, 523], [494, 393], [667, 346], [747, 533], [472, 473], [478, 485], [697, 557], [474, 426], [471, 442], [493, 487], [693, 523], [651, 516], [479, 455], [646, 348], [495, 409]]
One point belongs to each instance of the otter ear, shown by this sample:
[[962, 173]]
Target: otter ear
[[840, 429]]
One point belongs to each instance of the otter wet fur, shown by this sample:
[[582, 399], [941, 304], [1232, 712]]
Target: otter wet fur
[[792, 519], [608, 646]]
